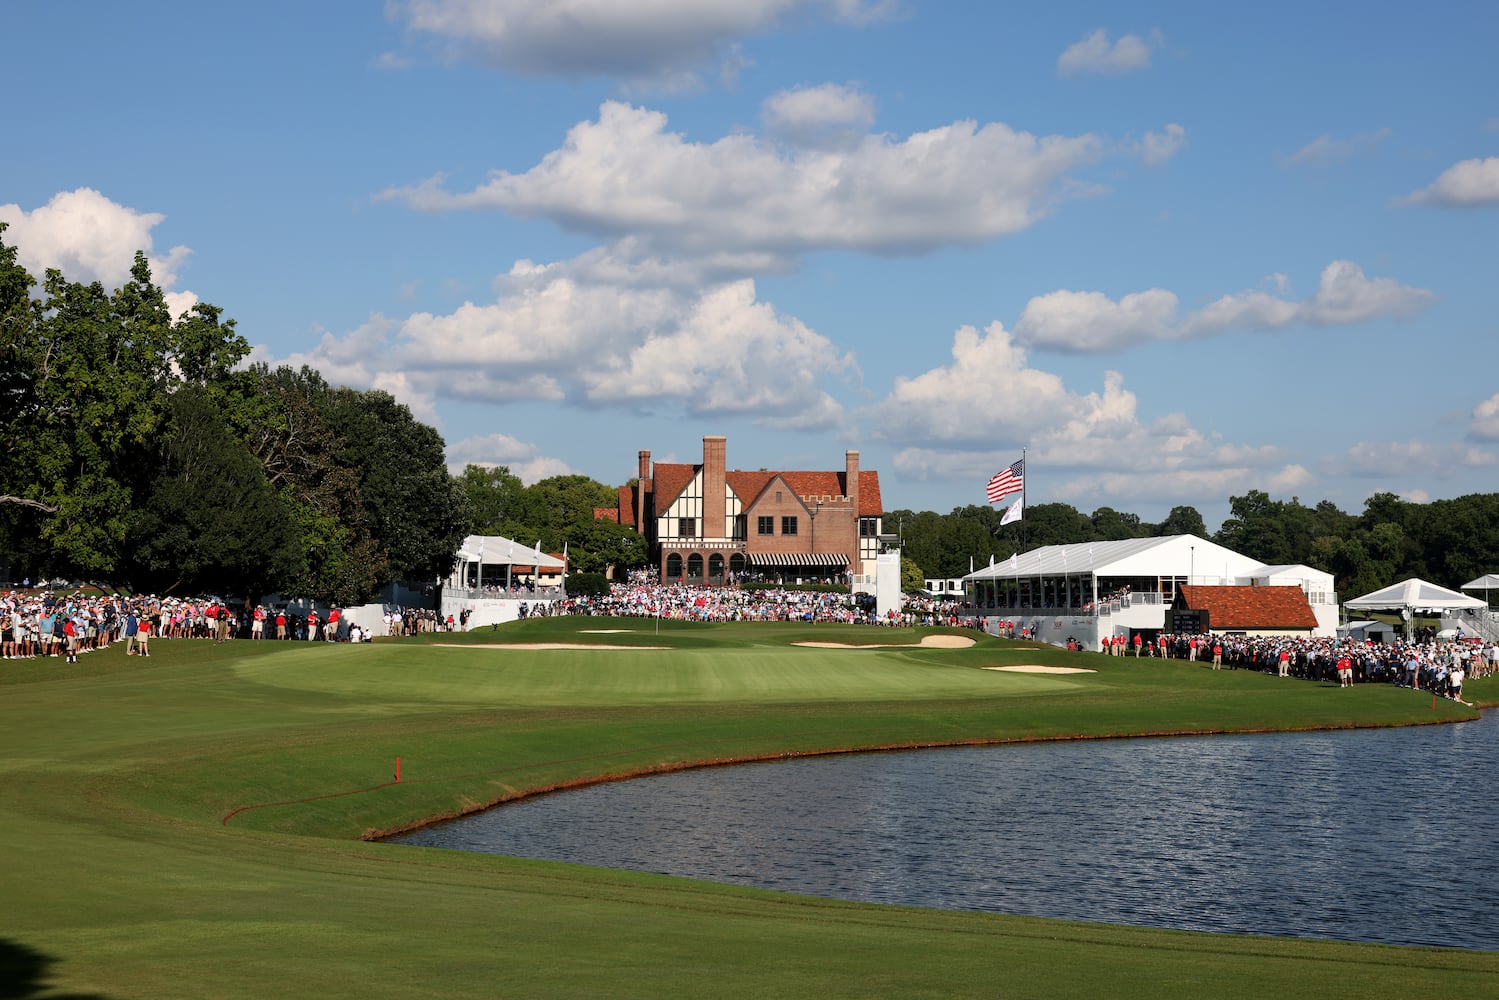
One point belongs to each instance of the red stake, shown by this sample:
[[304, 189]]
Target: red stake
[[398, 760]]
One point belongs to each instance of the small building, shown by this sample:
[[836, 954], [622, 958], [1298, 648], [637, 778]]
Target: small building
[[1243, 610], [1368, 631]]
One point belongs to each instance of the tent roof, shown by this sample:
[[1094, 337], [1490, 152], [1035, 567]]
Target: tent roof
[[1414, 593], [1172, 554], [497, 550], [1487, 582]]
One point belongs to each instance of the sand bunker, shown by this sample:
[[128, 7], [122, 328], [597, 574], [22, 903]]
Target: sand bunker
[[929, 642], [1036, 668], [604, 631], [539, 645]]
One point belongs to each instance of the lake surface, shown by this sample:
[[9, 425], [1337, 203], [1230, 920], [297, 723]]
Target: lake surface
[[1387, 835]]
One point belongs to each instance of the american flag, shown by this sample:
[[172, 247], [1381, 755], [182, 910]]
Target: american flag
[[1011, 480]]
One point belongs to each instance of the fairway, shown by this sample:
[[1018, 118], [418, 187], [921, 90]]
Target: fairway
[[190, 825]]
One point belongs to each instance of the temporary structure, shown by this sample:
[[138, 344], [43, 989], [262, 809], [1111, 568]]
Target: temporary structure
[[1485, 583], [1413, 596]]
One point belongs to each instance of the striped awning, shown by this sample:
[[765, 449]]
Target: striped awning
[[798, 559]]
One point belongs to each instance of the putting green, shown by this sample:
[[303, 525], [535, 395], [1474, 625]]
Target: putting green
[[187, 825]]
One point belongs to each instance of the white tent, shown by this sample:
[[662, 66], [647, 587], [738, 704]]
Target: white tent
[[1484, 583], [1412, 597]]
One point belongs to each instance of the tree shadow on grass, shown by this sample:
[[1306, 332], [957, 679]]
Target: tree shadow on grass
[[23, 974]]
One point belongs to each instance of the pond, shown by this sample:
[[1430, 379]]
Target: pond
[[1382, 835]]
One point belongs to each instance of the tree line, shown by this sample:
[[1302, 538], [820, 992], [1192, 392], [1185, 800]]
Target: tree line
[[1448, 542], [141, 452]]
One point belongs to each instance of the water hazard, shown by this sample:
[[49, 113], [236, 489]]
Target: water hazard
[[1372, 835]]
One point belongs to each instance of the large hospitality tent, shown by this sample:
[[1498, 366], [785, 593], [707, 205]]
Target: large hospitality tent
[[1413, 596]]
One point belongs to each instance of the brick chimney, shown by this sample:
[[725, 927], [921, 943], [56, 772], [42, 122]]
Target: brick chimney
[[715, 450], [643, 492], [851, 481]]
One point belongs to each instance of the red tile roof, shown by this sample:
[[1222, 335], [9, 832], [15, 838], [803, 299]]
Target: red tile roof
[[1251, 607], [670, 479]]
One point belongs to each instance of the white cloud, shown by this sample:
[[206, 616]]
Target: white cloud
[[964, 419], [1462, 185], [604, 332], [90, 238], [1408, 459], [1485, 425], [523, 459], [1158, 147], [817, 116], [1325, 150], [1085, 322], [626, 174], [393, 61], [1091, 321], [1096, 54], [654, 38]]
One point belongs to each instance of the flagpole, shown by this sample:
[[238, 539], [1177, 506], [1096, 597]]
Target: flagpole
[[1025, 474]]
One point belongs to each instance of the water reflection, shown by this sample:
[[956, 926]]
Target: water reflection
[[1372, 835]]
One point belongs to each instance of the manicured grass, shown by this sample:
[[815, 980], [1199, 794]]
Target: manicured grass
[[187, 825]]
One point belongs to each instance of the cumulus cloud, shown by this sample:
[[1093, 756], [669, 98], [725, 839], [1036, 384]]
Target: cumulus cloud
[[1408, 459], [601, 332], [1468, 184], [625, 173], [88, 238], [1097, 54], [1485, 424], [660, 39], [816, 116], [523, 459], [1085, 322], [1326, 150], [965, 418]]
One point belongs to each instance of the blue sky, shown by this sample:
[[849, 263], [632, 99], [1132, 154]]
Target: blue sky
[[1176, 251]]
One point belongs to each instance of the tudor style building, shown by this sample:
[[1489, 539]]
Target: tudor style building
[[706, 523]]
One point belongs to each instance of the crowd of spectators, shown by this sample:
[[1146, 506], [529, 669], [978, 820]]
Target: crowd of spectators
[[1437, 666], [642, 598]]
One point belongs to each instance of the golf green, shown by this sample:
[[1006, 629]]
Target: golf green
[[190, 825]]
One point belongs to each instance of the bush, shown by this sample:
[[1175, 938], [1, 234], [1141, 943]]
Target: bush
[[587, 585]]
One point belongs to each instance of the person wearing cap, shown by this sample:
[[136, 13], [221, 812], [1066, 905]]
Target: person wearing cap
[[257, 622], [222, 631], [312, 624], [330, 631]]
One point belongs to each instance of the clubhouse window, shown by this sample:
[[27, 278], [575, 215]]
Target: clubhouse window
[[686, 527], [788, 525], [765, 525]]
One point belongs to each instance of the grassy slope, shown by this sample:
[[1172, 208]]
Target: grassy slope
[[118, 775]]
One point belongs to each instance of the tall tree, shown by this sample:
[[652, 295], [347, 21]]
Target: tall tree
[[209, 520], [418, 511], [494, 497]]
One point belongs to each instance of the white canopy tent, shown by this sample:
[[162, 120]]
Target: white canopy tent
[[1413, 596], [1485, 583], [478, 551]]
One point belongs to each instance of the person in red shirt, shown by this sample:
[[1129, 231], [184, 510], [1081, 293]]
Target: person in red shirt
[[1139, 641], [1218, 655], [312, 620], [331, 629], [281, 624]]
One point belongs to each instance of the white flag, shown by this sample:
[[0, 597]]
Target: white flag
[[1016, 511]]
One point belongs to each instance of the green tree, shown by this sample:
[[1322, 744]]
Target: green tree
[[494, 497], [87, 376], [280, 414], [911, 577], [417, 511], [1110, 525], [1182, 521], [602, 545], [209, 520]]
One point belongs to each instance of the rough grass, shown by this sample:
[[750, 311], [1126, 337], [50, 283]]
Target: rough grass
[[188, 825]]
